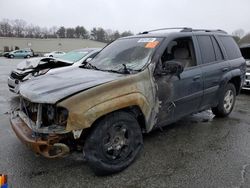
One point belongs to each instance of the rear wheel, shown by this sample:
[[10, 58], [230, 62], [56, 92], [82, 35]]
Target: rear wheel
[[114, 143], [226, 102], [11, 56], [28, 56]]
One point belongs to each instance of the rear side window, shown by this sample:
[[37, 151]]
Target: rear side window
[[232, 49], [206, 48], [217, 50]]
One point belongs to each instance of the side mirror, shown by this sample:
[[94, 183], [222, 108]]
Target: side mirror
[[172, 67]]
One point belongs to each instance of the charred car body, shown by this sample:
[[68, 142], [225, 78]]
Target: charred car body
[[39, 66], [134, 85]]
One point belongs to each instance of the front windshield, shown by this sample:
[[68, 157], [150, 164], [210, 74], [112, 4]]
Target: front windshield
[[132, 53], [75, 55]]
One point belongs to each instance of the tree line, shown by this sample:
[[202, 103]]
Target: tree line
[[20, 28]]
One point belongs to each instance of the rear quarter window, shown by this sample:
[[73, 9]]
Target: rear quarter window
[[232, 49]]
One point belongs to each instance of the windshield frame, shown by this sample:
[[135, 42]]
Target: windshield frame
[[151, 56]]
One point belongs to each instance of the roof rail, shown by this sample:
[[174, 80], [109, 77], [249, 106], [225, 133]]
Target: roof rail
[[205, 30], [162, 29], [184, 29]]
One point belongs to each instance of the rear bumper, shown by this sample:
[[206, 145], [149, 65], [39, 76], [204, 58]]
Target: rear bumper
[[45, 145]]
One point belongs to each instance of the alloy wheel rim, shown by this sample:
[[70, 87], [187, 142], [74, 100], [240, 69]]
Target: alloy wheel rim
[[116, 143], [228, 100]]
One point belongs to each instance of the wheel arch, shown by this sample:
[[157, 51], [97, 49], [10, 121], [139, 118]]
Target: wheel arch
[[234, 77], [134, 103], [236, 81]]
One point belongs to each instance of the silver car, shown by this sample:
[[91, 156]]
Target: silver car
[[39, 66], [245, 50]]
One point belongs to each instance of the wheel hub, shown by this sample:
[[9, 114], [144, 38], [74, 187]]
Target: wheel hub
[[228, 100], [117, 142]]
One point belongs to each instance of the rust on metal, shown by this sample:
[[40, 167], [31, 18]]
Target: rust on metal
[[36, 143]]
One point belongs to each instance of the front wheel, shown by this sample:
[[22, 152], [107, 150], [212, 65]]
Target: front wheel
[[114, 143], [226, 102]]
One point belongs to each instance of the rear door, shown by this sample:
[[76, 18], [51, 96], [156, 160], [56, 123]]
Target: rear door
[[17, 53], [213, 67]]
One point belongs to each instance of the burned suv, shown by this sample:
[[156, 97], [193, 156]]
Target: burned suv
[[134, 85]]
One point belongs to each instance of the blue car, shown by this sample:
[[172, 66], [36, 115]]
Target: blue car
[[20, 53]]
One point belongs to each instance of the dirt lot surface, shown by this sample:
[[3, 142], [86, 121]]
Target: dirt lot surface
[[198, 151]]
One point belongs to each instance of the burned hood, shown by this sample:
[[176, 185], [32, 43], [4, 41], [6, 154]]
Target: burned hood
[[54, 87], [35, 62]]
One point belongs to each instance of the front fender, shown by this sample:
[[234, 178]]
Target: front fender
[[84, 119]]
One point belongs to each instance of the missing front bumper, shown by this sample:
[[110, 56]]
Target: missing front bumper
[[48, 146]]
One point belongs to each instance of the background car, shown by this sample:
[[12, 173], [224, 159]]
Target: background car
[[54, 54], [245, 51], [23, 53], [39, 66]]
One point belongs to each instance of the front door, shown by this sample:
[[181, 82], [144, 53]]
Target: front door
[[180, 96]]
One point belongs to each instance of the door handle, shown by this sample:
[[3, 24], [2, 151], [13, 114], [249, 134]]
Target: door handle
[[196, 77], [225, 69]]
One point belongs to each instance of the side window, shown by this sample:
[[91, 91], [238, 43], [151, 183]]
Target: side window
[[232, 49], [181, 50], [217, 50], [206, 48]]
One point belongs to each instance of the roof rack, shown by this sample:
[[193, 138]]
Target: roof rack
[[205, 30], [184, 29], [162, 29]]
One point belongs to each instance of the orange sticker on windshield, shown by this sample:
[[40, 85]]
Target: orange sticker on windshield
[[152, 44]]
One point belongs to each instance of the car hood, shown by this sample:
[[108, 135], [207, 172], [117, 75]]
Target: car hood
[[34, 62], [54, 87]]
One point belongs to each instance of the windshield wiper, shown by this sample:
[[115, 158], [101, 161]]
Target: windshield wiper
[[123, 70], [89, 66]]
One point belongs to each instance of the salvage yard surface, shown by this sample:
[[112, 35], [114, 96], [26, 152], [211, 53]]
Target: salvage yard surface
[[198, 151]]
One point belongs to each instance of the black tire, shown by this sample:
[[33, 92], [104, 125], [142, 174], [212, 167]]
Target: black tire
[[28, 56], [11, 56], [113, 144], [223, 109], [51, 56]]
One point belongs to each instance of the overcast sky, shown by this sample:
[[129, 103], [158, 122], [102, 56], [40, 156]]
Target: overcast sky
[[134, 15]]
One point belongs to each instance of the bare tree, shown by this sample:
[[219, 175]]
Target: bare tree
[[18, 27], [245, 39], [238, 33], [52, 32], [30, 32], [5, 28]]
